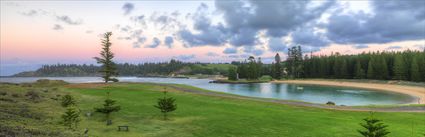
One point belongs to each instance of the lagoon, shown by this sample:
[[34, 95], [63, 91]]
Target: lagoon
[[306, 93]]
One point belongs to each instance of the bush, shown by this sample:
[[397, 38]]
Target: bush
[[108, 107], [373, 128], [32, 95], [3, 93], [47, 82], [67, 100], [265, 78], [71, 117], [166, 105], [15, 95], [330, 103]]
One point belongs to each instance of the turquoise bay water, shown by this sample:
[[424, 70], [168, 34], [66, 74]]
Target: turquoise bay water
[[307, 93]]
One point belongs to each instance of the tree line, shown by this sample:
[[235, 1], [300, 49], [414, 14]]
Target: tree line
[[127, 69], [406, 65]]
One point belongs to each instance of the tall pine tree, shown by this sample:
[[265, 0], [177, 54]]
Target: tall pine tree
[[399, 68], [359, 72], [277, 67], [108, 66], [414, 71], [370, 69]]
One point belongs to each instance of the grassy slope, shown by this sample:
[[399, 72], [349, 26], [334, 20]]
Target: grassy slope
[[199, 115]]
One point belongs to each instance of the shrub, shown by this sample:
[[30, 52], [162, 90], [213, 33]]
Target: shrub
[[71, 117], [32, 95], [3, 93], [265, 78], [67, 100], [330, 103], [15, 95], [166, 105], [47, 82], [108, 108], [374, 128]]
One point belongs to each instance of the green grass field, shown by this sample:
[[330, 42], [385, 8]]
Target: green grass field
[[196, 115]]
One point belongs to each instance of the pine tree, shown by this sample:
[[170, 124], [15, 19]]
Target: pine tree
[[108, 108], [370, 69], [383, 68], [414, 72], [166, 105], [337, 68], [344, 69], [374, 128], [71, 117], [108, 66], [359, 72], [399, 68], [232, 74], [252, 68], [68, 100], [277, 67]]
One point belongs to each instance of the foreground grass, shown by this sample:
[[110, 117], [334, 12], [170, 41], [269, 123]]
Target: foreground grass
[[199, 115]]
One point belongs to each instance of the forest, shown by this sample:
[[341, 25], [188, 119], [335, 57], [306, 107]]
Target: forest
[[389, 65], [126, 69]]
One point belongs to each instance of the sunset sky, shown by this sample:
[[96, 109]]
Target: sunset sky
[[48, 32]]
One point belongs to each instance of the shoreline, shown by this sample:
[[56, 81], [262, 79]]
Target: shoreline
[[418, 92]]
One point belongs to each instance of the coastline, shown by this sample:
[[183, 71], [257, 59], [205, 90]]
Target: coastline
[[418, 92]]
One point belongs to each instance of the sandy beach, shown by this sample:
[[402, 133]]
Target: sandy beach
[[410, 90]]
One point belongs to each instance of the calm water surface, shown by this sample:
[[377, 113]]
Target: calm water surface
[[307, 93]]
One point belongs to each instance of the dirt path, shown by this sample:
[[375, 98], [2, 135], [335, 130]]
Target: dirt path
[[302, 104]]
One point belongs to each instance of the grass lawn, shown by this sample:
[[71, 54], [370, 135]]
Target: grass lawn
[[199, 115]]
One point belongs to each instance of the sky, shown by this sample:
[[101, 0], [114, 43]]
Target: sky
[[51, 32]]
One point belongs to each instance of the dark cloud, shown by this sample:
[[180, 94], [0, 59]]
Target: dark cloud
[[175, 13], [30, 13], [230, 50], [245, 19], [139, 19], [209, 34], [212, 54], [308, 49], [57, 27], [244, 37], [276, 17], [165, 21], [155, 43], [306, 36], [66, 19], [139, 41], [185, 57], [253, 50], [393, 47], [391, 21], [360, 46], [169, 41], [233, 56], [61, 18], [276, 45], [128, 8], [126, 28]]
